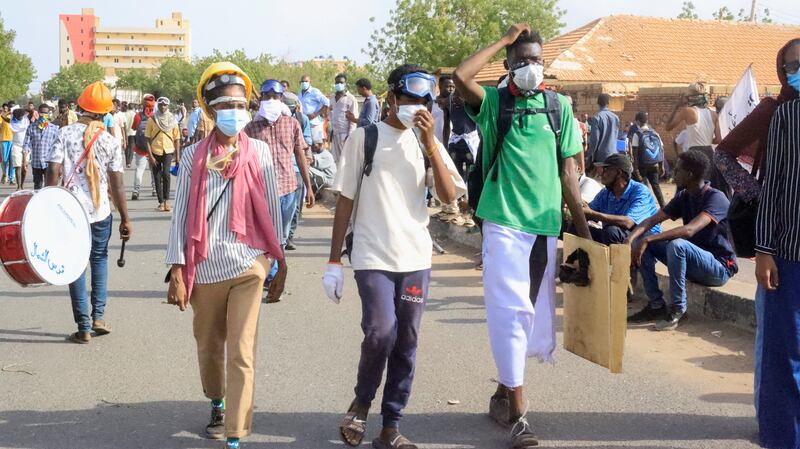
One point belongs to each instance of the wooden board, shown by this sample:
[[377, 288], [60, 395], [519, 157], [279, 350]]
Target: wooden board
[[595, 317]]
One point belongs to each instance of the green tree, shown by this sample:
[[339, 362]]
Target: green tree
[[136, 79], [442, 33], [70, 81], [766, 18], [177, 79], [688, 11], [17, 71], [724, 14]]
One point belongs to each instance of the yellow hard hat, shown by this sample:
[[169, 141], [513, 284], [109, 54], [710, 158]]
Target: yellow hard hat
[[96, 98], [221, 68]]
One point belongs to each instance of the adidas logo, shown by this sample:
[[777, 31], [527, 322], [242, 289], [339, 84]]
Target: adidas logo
[[413, 294]]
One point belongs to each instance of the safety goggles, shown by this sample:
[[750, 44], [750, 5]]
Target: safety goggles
[[271, 86], [417, 85], [792, 67], [163, 100], [225, 79]]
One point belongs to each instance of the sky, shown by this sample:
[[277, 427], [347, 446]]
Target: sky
[[292, 30]]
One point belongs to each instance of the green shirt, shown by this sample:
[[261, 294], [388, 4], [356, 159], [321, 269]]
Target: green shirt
[[527, 193]]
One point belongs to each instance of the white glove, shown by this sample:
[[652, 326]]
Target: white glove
[[333, 282]]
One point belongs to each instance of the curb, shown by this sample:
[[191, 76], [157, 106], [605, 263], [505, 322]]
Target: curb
[[711, 302]]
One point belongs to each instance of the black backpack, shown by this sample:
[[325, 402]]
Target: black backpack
[[506, 112], [370, 145], [140, 139], [650, 149]]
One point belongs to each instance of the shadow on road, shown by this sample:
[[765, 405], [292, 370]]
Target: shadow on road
[[176, 425]]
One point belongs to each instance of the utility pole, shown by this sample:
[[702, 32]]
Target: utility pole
[[752, 12]]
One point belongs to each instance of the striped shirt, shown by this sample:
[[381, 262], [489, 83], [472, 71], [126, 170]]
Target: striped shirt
[[227, 257], [778, 221]]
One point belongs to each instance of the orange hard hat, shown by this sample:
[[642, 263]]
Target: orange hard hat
[[96, 98]]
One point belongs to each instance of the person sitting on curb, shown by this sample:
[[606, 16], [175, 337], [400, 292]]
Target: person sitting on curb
[[699, 250], [621, 205]]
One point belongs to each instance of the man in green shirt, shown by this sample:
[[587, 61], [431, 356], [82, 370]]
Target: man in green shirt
[[521, 213]]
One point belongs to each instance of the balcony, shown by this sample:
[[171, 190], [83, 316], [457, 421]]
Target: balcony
[[135, 54], [99, 41], [128, 65]]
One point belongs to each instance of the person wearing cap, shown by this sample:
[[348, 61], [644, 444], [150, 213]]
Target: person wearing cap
[[391, 246], [293, 103], [163, 135], [6, 139], [698, 251], [224, 236], [702, 128], [90, 161], [621, 205], [285, 139]]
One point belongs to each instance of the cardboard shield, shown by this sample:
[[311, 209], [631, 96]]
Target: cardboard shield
[[595, 316]]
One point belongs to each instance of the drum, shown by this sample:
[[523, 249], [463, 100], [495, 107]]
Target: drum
[[45, 237]]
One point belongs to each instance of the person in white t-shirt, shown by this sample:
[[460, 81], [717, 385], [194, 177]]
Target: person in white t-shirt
[[391, 246]]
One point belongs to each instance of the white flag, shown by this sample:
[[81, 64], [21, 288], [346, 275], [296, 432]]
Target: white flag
[[741, 103]]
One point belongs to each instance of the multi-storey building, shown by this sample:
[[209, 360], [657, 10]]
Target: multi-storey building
[[82, 39]]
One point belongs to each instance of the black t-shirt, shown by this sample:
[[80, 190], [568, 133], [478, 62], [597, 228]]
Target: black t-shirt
[[714, 237]]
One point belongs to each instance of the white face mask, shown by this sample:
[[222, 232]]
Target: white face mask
[[406, 114], [271, 109], [528, 77]]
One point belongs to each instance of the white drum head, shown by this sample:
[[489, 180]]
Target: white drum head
[[57, 236]]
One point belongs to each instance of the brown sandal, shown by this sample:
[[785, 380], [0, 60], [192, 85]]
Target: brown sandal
[[352, 423], [397, 442]]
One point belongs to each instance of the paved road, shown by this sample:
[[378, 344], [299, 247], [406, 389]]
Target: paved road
[[139, 388]]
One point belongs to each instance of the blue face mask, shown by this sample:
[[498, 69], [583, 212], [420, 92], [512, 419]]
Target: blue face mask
[[305, 85], [232, 121], [340, 87], [794, 80]]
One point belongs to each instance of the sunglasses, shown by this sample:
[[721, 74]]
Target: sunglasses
[[791, 67]]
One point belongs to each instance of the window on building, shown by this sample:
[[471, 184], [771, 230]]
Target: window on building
[[81, 30], [108, 36], [67, 36], [67, 49], [180, 38], [67, 61], [140, 61], [116, 60], [133, 61], [108, 48], [81, 18], [81, 54], [131, 37], [179, 23], [67, 18]]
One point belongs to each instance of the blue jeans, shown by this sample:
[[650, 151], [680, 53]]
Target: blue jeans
[[288, 209], [8, 166], [761, 295], [684, 260], [299, 196], [98, 263]]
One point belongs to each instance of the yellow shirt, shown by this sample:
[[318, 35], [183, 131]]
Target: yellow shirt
[[5, 130], [160, 141]]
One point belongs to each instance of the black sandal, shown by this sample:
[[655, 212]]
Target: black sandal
[[398, 442], [352, 423]]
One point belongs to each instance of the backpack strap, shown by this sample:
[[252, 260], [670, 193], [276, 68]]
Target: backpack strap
[[505, 115], [552, 106], [370, 145]]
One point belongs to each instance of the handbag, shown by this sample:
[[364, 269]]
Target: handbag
[[742, 219], [210, 213]]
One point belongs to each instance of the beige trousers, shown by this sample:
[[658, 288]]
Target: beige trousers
[[226, 327]]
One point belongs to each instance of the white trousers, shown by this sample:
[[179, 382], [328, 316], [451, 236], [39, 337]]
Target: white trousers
[[141, 163], [518, 329], [338, 145]]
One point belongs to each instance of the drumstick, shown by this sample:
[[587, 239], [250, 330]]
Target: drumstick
[[121, 260]]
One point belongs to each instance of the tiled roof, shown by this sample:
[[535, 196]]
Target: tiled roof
[[634, 49]]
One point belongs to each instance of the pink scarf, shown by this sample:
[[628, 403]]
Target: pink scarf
[[250, 219]]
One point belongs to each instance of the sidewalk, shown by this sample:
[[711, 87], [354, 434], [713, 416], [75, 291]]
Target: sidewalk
[[733, 303]]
